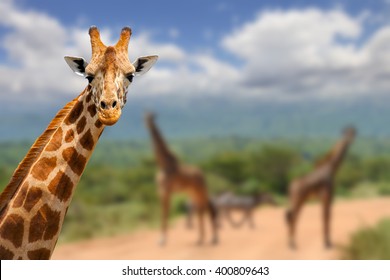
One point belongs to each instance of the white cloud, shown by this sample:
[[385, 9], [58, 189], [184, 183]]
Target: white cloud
[[142, 45], [283, 54], [310, 52], [35, 47]]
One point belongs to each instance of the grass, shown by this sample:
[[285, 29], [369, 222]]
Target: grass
[[370, 243], [90, 221], [85, 222]]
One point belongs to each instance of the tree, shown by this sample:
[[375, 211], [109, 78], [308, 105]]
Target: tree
[[271, 166]]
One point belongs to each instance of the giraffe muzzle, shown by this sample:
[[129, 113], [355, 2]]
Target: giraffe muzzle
[[109, 116], [109, 111]]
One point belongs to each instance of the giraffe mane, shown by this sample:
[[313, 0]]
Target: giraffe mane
[[323, 159], [36, 149]]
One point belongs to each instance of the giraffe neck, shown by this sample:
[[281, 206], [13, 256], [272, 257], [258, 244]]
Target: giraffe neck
[[31, 220], [165, 158], [338, 154]]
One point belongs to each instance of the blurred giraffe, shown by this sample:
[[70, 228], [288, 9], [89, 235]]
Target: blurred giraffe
[[318, 182], [172, 177]]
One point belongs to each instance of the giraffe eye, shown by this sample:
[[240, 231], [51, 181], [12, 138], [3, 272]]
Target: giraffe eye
[[130, 77], [90, 78]]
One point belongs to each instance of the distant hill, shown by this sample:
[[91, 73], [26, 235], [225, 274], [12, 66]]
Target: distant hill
[[219, 117]]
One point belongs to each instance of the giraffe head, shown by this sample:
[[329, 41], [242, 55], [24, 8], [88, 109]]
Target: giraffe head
[[109, 73]]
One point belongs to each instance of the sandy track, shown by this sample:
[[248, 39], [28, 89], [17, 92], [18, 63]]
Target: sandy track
[[267, 241]]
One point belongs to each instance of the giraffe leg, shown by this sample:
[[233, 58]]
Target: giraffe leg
[[292, 219], [290, 225], [218, 218], [326, 204], [213, 218], [165, 204], [250, 219], [200, 212], [190, 212]]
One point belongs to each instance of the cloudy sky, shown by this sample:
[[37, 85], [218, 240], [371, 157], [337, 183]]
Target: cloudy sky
[[278, 50]]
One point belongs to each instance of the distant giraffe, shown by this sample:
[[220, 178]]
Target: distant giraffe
[[318, 182], [34, 203], [175, 177]]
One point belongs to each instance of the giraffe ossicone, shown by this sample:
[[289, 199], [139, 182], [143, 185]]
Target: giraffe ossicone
[[34, 203]]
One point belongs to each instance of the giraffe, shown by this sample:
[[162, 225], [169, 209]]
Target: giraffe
[[172, 176], [318, 182], [34, 203]]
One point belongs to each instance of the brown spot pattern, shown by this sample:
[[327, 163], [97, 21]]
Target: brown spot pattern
[[92, 110], [53, 225], [55, 142], [61, 186], [69, 136], [89, 94], [75, 113], [12, 229], [37, 227], [43, 168], [81, 125], [87, 141], [39, 254], [76, 161], [19, 199], [33, 196], [5, 254], [45, 224], [98, 124]]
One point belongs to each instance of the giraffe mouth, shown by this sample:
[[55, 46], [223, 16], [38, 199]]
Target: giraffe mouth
[[109, 117]]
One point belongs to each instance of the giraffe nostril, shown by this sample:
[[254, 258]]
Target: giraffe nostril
[[114, 104], [103, 105]]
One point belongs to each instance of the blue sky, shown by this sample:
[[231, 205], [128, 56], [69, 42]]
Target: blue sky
[[192, 19], [192, 24], [274, 50]]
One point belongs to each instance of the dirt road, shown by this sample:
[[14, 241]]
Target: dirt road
[[267, 241]]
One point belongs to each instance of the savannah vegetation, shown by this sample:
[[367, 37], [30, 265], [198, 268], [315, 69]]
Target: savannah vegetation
[[118, 184], [372, 243]]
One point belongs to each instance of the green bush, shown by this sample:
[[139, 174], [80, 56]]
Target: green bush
[[84, 222], [272, 166], [230, 165], [370, 243]]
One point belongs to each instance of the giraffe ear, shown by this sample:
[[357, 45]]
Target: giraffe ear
[[77, 64], [144, 63]]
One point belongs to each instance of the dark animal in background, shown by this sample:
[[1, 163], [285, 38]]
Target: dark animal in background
[[227, 202]]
